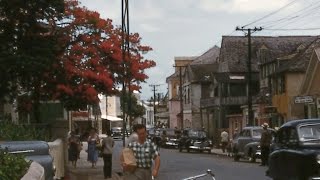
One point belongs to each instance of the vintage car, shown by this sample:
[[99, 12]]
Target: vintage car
[[195, 140], [296, 151], [247, 144], [37, 151], [170, 138], [116, 132]]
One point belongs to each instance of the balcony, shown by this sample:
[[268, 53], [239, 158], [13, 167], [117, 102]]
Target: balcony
[[223, 101]]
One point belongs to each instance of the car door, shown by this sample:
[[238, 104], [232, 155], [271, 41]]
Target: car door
[[243, 139]]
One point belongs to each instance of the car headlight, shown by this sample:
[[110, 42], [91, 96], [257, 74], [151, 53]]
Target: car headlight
[[258, 147], [318, 158], [210, 142], [167, 139]]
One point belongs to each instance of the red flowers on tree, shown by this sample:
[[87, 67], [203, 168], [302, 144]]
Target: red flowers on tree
[[91, 59]]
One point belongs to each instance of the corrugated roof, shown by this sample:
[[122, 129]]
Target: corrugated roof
[[299, 62], [209, 57], [234, 50]]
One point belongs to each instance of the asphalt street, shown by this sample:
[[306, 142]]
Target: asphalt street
[[176, 166]]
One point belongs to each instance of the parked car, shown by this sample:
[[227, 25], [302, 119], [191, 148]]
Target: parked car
[[37, 151], [116, 132], [247, 143], [296, 151], [195, 140], [170, 138]]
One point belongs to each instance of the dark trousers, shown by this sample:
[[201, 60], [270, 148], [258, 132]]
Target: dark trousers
[[265, 150], [107, 165]]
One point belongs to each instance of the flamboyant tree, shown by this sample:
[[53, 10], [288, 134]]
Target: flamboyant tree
[[92, 61], [59, 50]]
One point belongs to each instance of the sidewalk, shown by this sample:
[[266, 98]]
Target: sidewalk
[[83, 171], [218, 152]]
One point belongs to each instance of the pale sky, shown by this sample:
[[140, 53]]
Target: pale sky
[[190, 27]]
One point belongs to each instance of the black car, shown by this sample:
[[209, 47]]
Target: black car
[[116, 132], [296, 151], [170, 138], [195, 140], [247, 144]]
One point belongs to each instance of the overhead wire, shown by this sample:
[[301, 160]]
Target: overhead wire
[[299, 17], [272, 13], [289, 17]]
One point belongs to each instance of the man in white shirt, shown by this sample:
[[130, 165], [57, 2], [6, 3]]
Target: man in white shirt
[[224, 140], [107, 148]]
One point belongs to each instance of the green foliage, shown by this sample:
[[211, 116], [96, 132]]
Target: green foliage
[[13, 132], [136, 110], [13, 166]]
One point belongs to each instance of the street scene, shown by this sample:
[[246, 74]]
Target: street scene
[[160, 90]]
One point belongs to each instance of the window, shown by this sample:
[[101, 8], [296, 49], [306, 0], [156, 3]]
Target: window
[[310, 133], [245, 133], [287, 136]]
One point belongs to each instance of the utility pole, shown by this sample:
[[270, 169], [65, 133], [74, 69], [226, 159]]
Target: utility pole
[[249, 72], [181, 94], [154, 86], [125, 47]]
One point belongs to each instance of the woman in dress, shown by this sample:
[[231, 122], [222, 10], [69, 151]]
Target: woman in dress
[[73, 150], [93, 141]]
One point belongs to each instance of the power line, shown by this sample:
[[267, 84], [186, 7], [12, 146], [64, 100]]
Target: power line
[[289, 17], [272, 13], [299, 17], [293, 29]]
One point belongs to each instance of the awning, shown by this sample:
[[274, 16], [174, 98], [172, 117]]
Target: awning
[[111, 118]]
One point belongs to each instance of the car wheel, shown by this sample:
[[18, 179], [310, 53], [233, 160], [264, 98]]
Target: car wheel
[[188, 149], [209, 151], [236, 157], [252, 158]]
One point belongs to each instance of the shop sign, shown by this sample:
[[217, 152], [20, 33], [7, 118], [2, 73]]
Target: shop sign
[[303, 99]]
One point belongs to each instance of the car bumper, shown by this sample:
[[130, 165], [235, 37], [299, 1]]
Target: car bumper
[[171, 144], [200, 148], [258, 154]]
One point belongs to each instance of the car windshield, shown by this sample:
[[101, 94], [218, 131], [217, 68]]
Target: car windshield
[[116, 129], [309, 133], [170, 132], [201, 134], [256, 133]]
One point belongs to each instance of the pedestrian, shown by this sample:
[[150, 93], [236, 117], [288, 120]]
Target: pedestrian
[[93, 142], [265, 142], [133, 136], [145, 153], [107, 149], [224, 140], [73, 150]]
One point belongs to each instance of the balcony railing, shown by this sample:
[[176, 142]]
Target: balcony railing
[[223, 101]]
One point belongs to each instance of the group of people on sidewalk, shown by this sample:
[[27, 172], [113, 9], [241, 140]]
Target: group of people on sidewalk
[[96, 148], [145, 152]]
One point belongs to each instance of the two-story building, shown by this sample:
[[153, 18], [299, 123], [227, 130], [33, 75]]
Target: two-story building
[[310, 89], [197, 82], [173, 82]]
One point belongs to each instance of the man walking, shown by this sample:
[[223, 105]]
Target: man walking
[[265, 142], [224, 140], [145, 152], [107, 148]]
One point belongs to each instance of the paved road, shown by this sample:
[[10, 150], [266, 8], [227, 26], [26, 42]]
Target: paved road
[[176, 165]]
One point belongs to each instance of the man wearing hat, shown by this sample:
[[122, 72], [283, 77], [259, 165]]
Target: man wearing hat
[[265, 142]]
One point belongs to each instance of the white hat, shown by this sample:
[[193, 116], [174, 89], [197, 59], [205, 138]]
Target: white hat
[[265, 125]]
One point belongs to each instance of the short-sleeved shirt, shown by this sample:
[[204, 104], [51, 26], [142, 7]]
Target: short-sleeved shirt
[[144, 153], [224, 136], [108, 143]]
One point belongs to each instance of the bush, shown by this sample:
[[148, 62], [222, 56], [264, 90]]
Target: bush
[[13, 166], [15, 132]]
